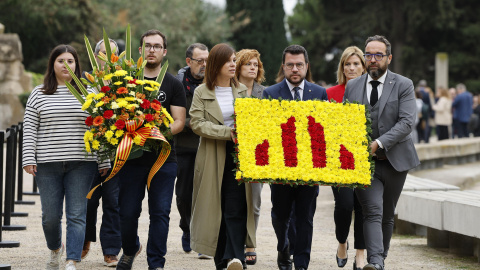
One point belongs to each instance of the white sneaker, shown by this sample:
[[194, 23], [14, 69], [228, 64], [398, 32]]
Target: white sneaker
[[205, 257], [55, 257], [235, 264], [70, 266]]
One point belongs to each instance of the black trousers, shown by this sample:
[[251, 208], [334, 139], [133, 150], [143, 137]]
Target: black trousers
[[304, 199], [233, 229], [345, 202], [442, 132], [184, 187]]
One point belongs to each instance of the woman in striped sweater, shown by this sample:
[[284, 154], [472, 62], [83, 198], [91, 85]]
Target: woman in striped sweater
[[53, 152]]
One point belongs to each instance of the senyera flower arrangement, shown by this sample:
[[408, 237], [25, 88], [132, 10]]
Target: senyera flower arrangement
[[125, 115], [302, 142]]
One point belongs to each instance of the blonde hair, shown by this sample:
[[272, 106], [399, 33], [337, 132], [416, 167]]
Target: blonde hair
[[246, 55], [347, 53]]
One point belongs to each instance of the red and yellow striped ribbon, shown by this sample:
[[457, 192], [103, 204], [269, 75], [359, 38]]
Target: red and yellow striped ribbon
[[125, 147]]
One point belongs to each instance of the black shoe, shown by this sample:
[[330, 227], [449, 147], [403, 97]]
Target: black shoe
[[373, 266], [355, 264], [300, 268], [341, 262], [186, 242], [125, 262], [283, 261]]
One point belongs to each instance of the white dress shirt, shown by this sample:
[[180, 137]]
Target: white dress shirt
[[300, 91], [380, 91]]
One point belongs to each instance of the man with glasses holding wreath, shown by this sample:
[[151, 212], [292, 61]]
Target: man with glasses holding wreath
[[391, 100], [295, 86]]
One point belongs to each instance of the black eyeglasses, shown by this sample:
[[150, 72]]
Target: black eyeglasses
[[156, 47], [378, 56], [199, 61]]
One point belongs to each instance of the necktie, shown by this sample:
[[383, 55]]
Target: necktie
[[374, 94], [296, 93]]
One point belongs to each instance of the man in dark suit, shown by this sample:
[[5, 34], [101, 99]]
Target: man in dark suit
[[296, 68], [462, 110], [391, 101]]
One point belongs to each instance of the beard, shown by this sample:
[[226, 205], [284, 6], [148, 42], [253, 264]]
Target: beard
[[378, 72], [200, 74], [152, 65], [295, 82]]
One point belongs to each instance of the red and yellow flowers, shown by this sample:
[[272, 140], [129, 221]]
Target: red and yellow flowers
[[302, 142]]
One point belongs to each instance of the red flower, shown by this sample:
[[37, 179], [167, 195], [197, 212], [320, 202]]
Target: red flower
[[122, 90], [108, 114], [105, 89], [134, 81], [261, 153], [156, 102], [120, 124], [97, 121], [346, 159], [89, 121], [149, 117], [318, 144], [289, 143], [145, 104]]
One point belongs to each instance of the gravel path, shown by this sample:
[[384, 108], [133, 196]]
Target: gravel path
[[407, 252]]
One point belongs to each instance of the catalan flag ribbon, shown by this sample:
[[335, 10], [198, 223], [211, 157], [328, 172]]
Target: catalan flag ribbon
[[125, 147]]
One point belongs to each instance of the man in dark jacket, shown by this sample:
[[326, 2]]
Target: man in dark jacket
[[186, 142]]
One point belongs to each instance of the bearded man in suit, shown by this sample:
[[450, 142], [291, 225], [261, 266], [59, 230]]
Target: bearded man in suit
[[391, 100]]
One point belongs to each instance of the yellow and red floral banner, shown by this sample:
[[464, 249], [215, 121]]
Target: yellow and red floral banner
[[302, 142]]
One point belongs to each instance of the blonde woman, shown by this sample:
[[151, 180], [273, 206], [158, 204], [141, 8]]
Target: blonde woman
[[352, 65]]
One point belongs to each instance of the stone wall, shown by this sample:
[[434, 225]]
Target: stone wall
[[11, 77]]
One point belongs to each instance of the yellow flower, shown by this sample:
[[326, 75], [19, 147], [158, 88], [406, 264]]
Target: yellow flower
[[128, 78], [118, 83], [99, 96], [137, 140], [87, 104], [99, 104], [113, 141], [149, 88], [88, 136], [140, 82], [118, 133], [90, 96], [95, 144], [108, 77], [113, 127], [87, 147], [120, 72], [109, 134]]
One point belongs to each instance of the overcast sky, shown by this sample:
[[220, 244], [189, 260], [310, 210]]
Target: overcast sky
[[288, 5]]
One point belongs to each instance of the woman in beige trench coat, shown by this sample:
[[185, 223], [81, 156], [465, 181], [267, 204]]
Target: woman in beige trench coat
[[222, 210]]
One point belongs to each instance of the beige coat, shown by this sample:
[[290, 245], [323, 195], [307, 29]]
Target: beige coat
[[443, 111], [207, 122]]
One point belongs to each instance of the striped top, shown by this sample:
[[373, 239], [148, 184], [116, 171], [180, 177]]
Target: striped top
[[54, 126]]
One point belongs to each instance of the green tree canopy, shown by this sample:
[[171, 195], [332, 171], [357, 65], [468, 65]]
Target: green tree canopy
[[259, 25], [42, 25], [416, 29]]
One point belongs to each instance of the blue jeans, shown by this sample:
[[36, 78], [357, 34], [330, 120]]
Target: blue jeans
[[110, 237], [133, 180], [70, 180]]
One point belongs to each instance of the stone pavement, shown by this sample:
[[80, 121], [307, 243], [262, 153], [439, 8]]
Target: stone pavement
[[407, 252]]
